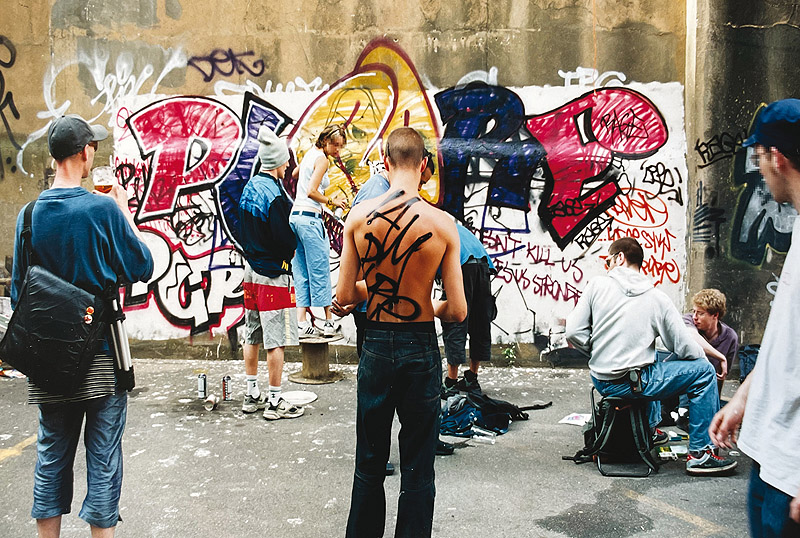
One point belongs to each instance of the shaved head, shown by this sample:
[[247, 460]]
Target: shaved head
[[404, 148]]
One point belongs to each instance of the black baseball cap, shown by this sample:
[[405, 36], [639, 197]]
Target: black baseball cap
[[67, 135], [778, 125]]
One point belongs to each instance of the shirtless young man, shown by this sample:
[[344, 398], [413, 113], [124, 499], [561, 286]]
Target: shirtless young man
[[393, 245]]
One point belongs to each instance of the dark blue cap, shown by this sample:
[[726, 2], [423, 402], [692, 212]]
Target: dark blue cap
[[67, 135], [778, 125]]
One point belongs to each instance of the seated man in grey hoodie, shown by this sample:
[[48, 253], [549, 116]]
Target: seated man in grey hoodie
[[616, 321]]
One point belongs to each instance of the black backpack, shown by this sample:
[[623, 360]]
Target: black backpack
[[618, 436]]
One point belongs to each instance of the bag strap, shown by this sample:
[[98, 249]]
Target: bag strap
[[602, 435], [643, 439], [27, 234]]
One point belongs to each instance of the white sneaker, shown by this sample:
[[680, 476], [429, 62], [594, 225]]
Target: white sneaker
[[306, 329], [328, 329], [251, 404], [282, 409]]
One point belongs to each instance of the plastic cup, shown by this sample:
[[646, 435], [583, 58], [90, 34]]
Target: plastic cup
[[103, 178], [211, 402]]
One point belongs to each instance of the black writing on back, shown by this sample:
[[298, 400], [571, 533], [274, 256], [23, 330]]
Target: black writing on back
[[384, 289]]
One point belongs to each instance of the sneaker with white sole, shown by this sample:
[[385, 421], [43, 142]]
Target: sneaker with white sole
[[306, 329], [328, 329], [660, 437], [708, 464], [251, 404], [282, 409]]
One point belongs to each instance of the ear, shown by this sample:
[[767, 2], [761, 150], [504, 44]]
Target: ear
[[781, 162]]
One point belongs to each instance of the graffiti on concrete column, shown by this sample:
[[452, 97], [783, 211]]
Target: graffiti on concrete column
[[7, 59], [719, 147], [759, 220]]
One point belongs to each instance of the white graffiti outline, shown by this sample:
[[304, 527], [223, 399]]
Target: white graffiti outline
[[111, 87]]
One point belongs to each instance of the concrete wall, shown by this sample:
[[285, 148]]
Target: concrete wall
[[745, 55], [294, 64]]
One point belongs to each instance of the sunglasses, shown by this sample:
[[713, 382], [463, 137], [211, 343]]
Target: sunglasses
[[609, 258]]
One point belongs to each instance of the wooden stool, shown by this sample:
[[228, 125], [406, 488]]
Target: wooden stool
[[316, 369]]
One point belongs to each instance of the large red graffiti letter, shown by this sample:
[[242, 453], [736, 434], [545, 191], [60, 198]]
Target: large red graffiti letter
[[191, 142], [581, 138]]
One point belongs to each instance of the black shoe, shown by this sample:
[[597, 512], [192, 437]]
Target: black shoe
[[469, 383], [660, 438], [389, 468], [444, 449], [452, 390]]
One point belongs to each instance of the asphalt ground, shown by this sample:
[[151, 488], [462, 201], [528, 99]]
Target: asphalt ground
[[194, 473]]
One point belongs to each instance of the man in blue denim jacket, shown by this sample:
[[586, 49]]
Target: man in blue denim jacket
[[393, 245], [89, 239]]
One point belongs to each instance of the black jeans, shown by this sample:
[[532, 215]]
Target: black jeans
[[400, 370]]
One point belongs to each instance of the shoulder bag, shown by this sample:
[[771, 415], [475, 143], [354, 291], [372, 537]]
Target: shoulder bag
[[55, 329]]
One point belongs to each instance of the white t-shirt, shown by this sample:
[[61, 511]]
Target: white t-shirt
[[302, 201], [771, 427]]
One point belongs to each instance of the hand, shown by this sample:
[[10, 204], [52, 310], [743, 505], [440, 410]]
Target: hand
[[340, 203], [794, 509], [341, 310], [724, 370], [725, 424], [119, 195]]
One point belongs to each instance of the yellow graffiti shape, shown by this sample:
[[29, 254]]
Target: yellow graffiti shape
[[382, 93]]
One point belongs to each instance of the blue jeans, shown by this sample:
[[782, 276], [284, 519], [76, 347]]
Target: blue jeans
[[311, 265], [399, 370], [696, 378], [59, 430], [768, 509]]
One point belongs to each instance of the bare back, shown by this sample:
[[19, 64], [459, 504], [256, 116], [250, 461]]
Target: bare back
[[401, 241]]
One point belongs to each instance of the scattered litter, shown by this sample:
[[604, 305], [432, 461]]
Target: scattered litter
[[295, 521], [673, 452], [733, 453], [576, 419]]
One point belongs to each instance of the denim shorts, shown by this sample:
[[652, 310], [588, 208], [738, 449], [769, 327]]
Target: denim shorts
[[59, 432]]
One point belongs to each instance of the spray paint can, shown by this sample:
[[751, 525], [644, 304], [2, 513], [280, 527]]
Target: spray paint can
[[226, 388], [202, 387]]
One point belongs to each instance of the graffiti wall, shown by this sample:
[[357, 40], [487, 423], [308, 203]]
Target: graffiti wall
[[547, 177]]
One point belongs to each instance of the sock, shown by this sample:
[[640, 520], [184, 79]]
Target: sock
[[449, 382], [470, 376], [274, 394], [252, 386]]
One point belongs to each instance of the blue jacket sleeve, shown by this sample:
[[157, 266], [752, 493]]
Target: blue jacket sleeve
[[131, 259]]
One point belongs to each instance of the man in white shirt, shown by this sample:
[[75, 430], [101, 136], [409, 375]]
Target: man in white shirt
[[766, 405]]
